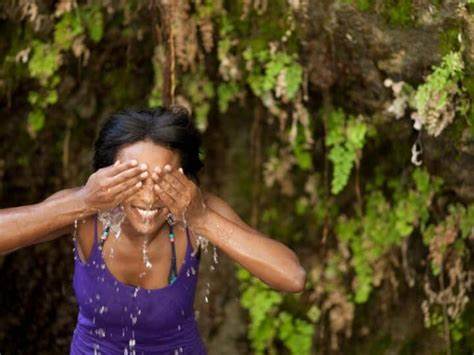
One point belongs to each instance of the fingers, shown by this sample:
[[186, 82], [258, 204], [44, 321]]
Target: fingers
[[128, 174], [126, 193], [164, 186], [165, 196], [128, 184], [118, 167], [183, 178], [172, 179]]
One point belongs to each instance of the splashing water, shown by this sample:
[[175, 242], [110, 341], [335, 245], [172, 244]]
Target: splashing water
[[202, 242], [207, 292], [113, 218], [100, 332], [131, 345], [215, 258], [74, 234], [146, 259]]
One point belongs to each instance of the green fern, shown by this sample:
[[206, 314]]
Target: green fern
[[345, 138]]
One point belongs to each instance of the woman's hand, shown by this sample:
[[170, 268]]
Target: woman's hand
[[109, 186], [182, 197]]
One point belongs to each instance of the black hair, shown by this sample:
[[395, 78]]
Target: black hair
[[170, 127]]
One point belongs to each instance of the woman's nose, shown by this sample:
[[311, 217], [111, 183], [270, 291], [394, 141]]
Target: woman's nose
[[148, 196]]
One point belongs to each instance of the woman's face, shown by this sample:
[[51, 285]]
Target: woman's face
[[144, 212]]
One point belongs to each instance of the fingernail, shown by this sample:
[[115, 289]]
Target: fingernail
[[143, 166], [181, 170], [167, 167], [139, 184], [134, 162], [158, 169], [116, 163], [144, 174]]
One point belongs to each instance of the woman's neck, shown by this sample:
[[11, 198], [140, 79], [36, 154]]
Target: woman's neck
[[134, 237]]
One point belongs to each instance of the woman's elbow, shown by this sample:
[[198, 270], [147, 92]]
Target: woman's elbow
[[298, 280]]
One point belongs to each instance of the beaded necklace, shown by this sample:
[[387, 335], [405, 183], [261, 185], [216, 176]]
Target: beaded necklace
[[173, 274]]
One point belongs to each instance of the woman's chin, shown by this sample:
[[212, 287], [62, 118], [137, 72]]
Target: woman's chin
[[145, 225]]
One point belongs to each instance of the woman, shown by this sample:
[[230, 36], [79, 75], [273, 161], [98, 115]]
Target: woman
[[141, 216]]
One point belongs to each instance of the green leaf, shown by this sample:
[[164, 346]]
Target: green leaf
[[36, 120]]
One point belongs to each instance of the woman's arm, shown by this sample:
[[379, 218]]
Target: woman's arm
[[27, 225], [269, 260], [31, 224]]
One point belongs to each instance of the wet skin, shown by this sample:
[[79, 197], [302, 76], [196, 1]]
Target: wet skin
[[124, 257], [161, 189]]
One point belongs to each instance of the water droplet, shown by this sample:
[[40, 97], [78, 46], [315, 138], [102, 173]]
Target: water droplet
[[135, 293], [102, 310], [146, 259], [215, 257], [112, 219], [100, 332], [203, 242], [179, 327]]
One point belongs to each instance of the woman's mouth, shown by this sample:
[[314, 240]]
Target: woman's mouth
[[146, 213]]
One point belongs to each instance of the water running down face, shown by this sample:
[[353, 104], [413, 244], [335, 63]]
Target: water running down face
[[144, 212]]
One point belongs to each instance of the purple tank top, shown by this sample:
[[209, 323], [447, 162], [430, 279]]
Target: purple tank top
[[116, 318]]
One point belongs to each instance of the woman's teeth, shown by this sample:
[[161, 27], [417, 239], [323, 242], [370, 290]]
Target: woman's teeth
[[146, 213]]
